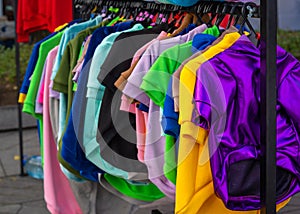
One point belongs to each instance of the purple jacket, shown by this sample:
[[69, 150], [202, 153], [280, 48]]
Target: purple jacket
[[227, 98]]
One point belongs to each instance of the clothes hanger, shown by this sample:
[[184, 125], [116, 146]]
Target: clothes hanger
[[232, 14], [221, 11], [173, 19], [212, 8], [245, 22], [200, 12], [182, 23]]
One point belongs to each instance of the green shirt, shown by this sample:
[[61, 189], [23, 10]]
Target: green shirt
[[29, 103]]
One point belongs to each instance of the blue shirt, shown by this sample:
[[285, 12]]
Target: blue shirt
[[34, 57], [31, 64]]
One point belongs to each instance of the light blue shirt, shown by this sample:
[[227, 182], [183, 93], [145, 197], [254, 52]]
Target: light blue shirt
[[94, 95]]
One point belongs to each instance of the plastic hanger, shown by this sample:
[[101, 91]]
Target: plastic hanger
[[232, 13], [212, 9], [221, 13], [199, 13], [245, 22]]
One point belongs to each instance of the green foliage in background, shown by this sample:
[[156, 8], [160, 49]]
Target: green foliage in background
[[289, 40], [8, 62]]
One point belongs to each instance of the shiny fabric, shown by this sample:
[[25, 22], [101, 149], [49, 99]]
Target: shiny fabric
[[227, 101]]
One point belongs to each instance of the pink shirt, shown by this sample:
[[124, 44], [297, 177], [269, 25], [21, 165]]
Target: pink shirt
[[58, 193]]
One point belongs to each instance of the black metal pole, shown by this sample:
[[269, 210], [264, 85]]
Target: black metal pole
[[268, 97], [18, 75]]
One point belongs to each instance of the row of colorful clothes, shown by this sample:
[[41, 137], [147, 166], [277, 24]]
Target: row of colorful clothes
[[158, 119]]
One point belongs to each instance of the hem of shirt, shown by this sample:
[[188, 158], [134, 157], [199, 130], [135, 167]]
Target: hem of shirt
[[60, 87], [165, 186], [22, 97], [156, 96], [30, 109], [135, 192], [66, 165]]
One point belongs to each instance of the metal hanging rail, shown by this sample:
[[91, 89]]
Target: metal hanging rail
[[268, 98]]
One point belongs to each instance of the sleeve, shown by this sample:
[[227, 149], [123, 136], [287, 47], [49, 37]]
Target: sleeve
[[60, 82], [211, 101], [132, 88], [155, 82], [289, 91]]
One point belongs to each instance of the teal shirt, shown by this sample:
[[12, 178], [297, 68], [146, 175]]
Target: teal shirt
[[94, 96]]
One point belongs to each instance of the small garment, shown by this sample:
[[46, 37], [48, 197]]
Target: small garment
[[227, 96], [141, 117]]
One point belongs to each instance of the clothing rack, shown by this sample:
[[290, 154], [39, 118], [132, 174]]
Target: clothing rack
[[213, 7], [268, 13]]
